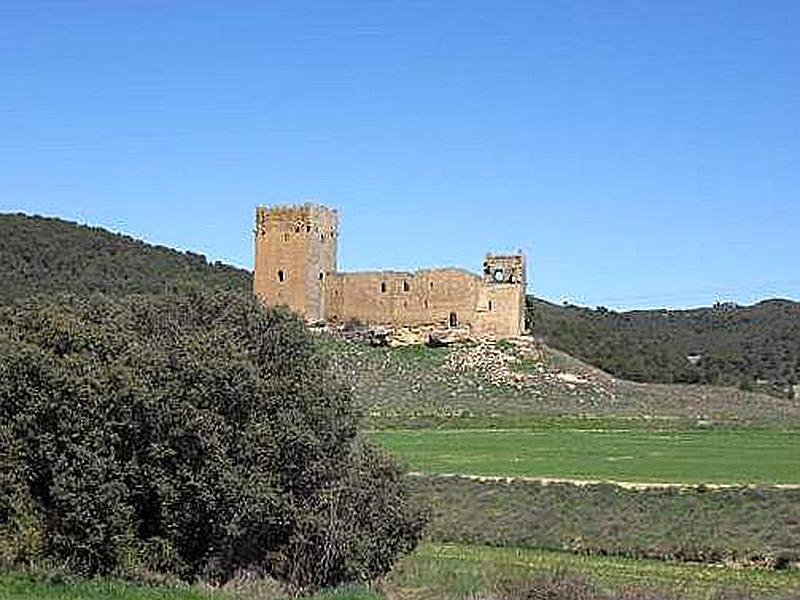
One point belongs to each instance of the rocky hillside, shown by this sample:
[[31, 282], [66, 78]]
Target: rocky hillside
[[46, 256], [508, 383]]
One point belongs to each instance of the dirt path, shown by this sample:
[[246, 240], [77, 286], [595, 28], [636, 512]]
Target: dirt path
[[631, 485]]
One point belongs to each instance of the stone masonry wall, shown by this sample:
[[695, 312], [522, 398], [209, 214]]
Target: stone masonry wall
[[402, 298], [501, 311]]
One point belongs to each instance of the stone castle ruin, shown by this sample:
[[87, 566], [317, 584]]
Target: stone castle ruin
[[295, 266]]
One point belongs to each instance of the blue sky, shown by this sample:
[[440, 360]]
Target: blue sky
[[642, 154]]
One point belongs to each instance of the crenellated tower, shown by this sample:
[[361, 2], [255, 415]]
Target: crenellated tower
[[295, 252]]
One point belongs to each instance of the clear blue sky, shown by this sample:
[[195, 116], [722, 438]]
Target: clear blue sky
[[641, 153]]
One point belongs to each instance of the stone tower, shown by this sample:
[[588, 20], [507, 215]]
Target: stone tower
[[295, 252], [504, 286]]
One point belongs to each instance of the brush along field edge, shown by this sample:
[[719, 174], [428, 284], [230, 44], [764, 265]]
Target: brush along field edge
[[451, 570], [465, 569]]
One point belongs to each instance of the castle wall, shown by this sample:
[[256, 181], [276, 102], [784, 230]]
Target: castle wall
[[402, 298], [502, 302], [295, 266]]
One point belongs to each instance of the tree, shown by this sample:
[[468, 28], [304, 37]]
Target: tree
[[193, 435]]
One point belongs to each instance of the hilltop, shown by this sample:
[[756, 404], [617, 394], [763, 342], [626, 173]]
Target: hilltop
[[752, 347], [45, 256]]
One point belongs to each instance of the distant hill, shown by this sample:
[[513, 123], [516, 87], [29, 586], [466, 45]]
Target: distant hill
[[752, 347], [45, 256]]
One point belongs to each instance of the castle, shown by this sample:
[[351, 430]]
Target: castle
[[295, 266]]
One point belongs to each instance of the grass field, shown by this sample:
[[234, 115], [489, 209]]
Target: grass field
[[23, 587], [713, 456], [463, 569], [450, 571]]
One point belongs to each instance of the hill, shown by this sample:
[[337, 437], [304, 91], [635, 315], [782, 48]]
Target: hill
[[44, 256], [524, 382], [752, 347]]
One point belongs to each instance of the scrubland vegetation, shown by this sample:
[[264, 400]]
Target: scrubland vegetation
[[43, 256], [189, 436], [732, 526], [752, 347], [458, 387]]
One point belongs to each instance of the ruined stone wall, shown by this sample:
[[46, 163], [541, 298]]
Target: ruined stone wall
[[501, 311], [505, 268], [401, 298], [295, 266], [295, 251]]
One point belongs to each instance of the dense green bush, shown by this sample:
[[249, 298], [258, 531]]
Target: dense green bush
[[192, 435]]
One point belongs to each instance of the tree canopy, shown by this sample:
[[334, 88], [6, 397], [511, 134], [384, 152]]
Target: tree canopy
[[190, 434], [748, 346], [44, 256]]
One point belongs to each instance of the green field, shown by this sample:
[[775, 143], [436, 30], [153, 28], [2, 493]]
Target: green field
[[442, 571], [711, 456], [23, 587], [465, 569]]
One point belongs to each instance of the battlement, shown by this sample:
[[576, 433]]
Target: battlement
[[504, 268], [298, 219], [307, 209]]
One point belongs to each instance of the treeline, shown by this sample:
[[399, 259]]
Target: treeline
[[44, 256], [752, 347]]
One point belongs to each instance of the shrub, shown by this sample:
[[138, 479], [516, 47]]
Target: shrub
[[190, 435], [562, 585]]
